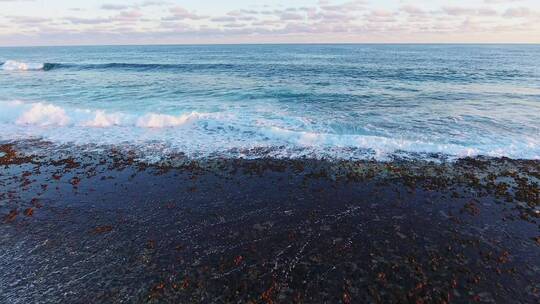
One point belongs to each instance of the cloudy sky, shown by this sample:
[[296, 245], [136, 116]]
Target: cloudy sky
[[68, 22]]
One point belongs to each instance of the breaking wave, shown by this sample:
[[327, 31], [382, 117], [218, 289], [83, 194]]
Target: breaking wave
[[45, 115], [225, 134], [12, 65]]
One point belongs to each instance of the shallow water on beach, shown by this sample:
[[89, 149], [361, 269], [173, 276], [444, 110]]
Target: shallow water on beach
[[342, 101]]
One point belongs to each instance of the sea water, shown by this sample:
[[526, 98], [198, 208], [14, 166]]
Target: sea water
[[331, 101]]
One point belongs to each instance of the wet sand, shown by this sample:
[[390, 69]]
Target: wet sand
[[87, 227]]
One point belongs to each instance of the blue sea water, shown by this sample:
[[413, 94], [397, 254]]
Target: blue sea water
[[339, 101]]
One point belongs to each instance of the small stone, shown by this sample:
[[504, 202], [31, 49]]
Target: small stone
[[102, 229], [472, 208], [11, 216], [29, 212]]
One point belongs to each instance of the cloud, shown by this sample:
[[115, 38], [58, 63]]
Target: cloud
[[154, 3], [122, 17], [119, 7], [344, 7], [413, 10], [114, 7], [180, 13], [465, 11], [128, 16], [77, 20], [291, 16], [25, 19], [327, 21], [501, 1], [520, 12], [223, 19]]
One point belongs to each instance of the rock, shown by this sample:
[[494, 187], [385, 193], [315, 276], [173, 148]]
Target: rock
[[102, 229], [472, 208]]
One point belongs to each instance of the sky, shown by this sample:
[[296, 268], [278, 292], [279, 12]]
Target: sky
[[92, 22]]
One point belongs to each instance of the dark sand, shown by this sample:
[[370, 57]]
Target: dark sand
[[102, 228]]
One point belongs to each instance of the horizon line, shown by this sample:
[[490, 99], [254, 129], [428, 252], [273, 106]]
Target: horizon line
[[274, 43]]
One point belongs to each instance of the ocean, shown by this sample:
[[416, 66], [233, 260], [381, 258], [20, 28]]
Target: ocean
[[285, 101]]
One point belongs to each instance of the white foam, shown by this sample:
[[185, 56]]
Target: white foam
[[381, 146], [12, 65], [165, 121]]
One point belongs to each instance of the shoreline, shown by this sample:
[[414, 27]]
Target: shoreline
[[79, 227]]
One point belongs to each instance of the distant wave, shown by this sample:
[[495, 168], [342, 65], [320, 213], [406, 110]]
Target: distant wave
[[12, 65], [400, 74], [144, 66]]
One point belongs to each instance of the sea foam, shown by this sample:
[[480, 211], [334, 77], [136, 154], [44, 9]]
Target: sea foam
[[163, 121]]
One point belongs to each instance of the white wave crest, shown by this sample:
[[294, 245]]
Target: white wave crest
[[12, 65], [44, 115], [165, 121], [103, 120]]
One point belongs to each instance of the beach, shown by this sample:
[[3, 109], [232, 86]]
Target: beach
[[101, 225], [290, 173]]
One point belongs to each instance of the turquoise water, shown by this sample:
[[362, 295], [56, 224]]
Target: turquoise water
[[343, 101]]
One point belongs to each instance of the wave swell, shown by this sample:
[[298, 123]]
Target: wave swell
[[12, 65], [447, 75]]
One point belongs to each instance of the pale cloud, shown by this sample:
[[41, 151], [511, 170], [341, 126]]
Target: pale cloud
[[413, 10], [114, 7], [518, 12], [180, 13], [76, 20], [501, 1], [343, 7], [154, 3], [291, 16], [465, 11], [28, 20], [224, 19], [132, 15]]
